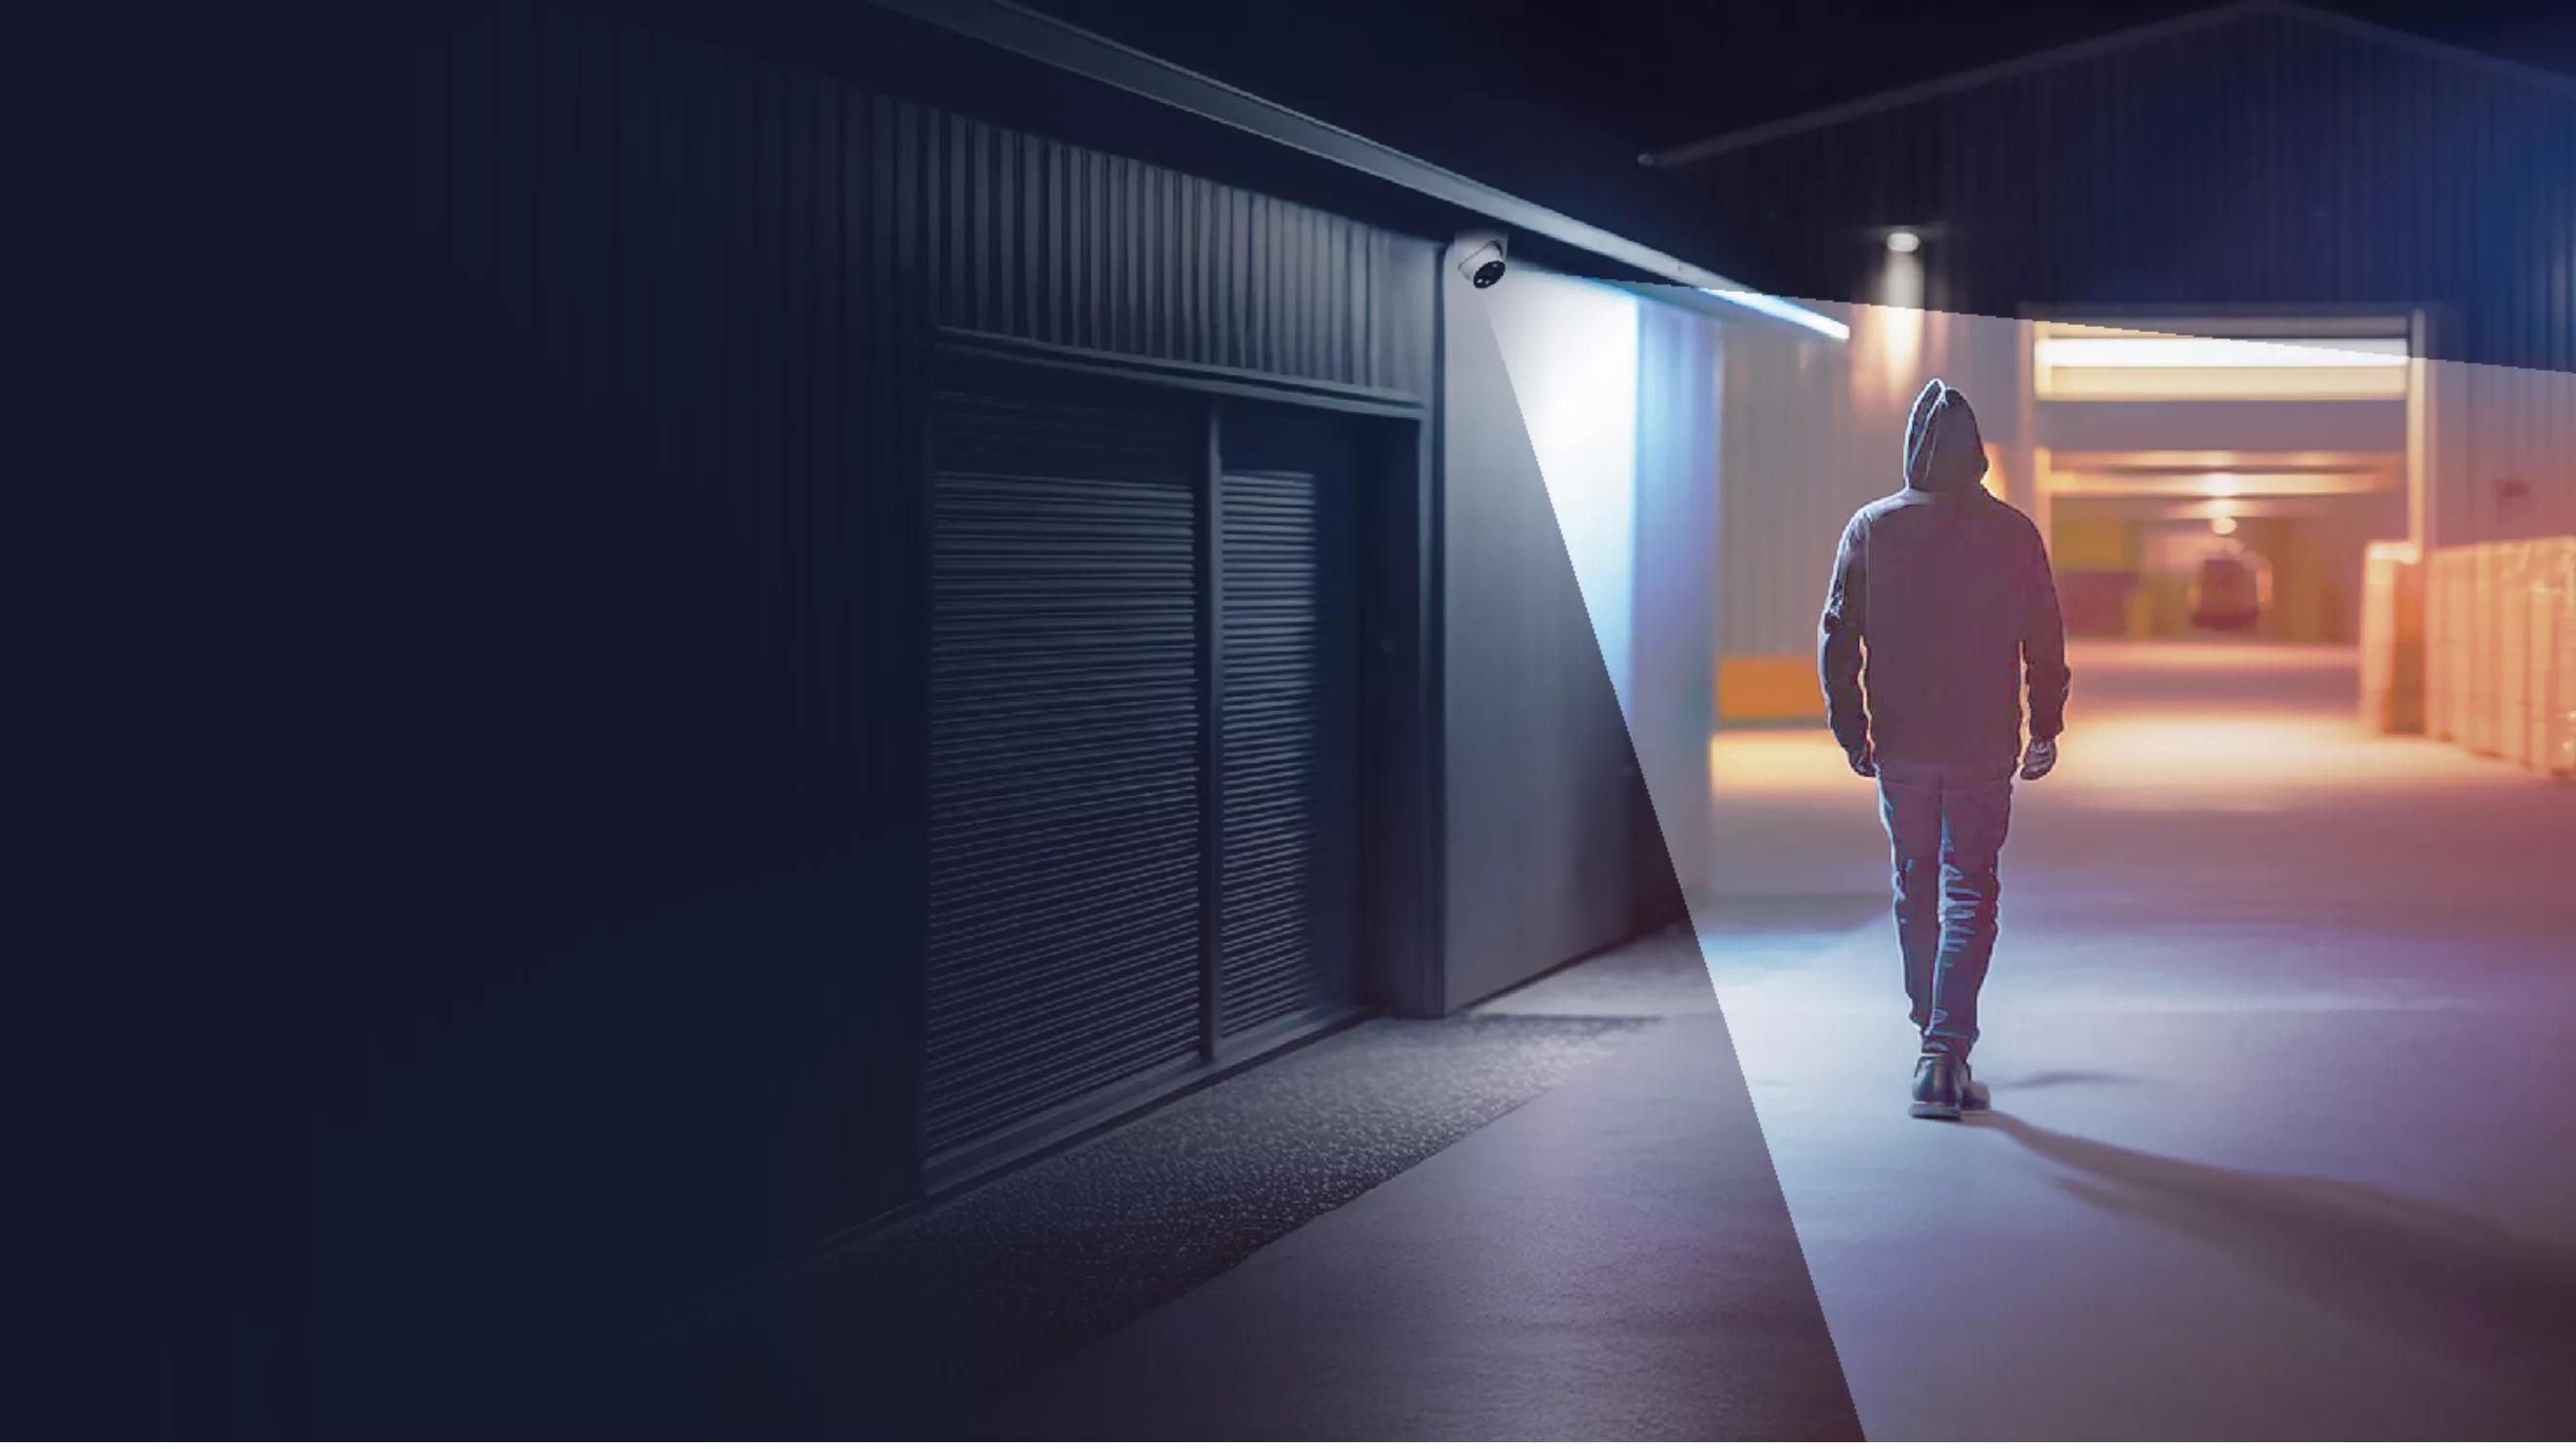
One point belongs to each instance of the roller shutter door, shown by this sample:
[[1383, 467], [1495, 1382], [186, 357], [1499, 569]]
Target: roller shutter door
[[1288, 870], [1067, 754]]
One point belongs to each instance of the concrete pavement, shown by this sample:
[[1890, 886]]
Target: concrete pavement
[[1612, 1261], [2280, 1032]]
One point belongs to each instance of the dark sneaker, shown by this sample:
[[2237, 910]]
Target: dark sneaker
[[1936, 1087], [1973, 1096]]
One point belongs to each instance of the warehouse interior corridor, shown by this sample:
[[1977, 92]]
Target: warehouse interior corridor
[[2276, 1035]]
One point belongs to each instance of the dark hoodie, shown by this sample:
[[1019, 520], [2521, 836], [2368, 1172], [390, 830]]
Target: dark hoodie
[[1941, 596]]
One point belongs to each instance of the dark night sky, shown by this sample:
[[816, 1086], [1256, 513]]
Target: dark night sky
[[1555, 98]]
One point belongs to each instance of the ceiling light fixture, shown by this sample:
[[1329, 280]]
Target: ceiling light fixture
[[2126, 352]]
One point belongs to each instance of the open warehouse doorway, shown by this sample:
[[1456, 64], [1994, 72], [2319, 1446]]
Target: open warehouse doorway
[[2224, 478], [2240, 545]]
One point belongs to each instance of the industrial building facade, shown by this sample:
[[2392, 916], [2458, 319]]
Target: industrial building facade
[[1007, 599], [2262, 154], [2258, 172], [954, 583]]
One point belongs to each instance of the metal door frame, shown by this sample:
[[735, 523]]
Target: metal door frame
[[1397, 567]]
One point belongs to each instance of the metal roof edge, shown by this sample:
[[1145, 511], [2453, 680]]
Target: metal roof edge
[[1052, 42], [1738, 140], [1852, 110], [2549, 80]]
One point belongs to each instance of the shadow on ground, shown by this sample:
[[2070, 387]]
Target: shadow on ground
[[2499, 1306], [2038, 1080]]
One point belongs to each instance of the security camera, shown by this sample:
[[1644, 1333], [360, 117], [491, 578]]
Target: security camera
[[1481, 258]]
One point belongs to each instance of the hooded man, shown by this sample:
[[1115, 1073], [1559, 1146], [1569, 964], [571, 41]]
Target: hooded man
[[1941, 607]]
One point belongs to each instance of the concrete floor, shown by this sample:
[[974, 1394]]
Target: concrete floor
[[1611, 1261], [2279, 1032], [909, 1331]]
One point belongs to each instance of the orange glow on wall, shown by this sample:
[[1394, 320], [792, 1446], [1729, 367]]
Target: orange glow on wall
[[1767, 687]]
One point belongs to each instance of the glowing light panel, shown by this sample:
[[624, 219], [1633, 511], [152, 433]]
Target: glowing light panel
[[2127, 352], [1571, 349]]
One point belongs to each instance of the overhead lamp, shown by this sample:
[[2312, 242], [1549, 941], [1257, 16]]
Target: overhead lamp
[[1903, 242]]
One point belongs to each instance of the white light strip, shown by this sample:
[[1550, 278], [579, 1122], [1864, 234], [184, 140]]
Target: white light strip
[[2220, 352], [1771, 306]]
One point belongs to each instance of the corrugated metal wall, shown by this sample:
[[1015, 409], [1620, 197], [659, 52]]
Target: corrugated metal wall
[[1680, 409], [2262, 160], [1814, 429], [1790, 474], [1541, 777], [680, 295], [800, 188], [2267, 159], [2517, 453], [678, 651], [1032, 238]]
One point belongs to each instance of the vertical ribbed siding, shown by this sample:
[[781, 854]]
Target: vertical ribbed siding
[[667, 258], [2269, 159], [1791, 475], [736, 265], [1289, 873], [1065, 757], [1680, 432], [2519, 449], [1054, 243]]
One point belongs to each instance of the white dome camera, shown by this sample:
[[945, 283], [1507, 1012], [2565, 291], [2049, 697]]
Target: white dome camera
[[1482, 257]]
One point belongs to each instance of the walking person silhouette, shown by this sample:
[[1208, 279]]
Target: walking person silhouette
[[1941, 614]]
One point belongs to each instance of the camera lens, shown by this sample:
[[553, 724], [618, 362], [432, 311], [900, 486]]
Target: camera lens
[[1490, 273]]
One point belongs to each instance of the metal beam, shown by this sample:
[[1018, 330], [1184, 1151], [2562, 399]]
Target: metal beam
[[1853, 110], [1052, 42], [1834, 115], [1731, 307]]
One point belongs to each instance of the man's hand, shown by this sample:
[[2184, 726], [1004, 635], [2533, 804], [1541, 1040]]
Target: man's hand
[[1864, 762], [2039, 759]]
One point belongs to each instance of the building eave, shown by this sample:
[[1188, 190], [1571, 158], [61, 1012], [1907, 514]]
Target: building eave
[[1051, 42]]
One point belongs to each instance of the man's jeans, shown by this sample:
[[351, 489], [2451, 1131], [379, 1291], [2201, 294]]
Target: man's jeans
[[1947, 825]]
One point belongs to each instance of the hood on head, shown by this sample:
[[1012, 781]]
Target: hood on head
[[1944, 451]]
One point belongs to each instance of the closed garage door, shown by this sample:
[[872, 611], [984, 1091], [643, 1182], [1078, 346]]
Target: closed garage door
[[1066, 752], [1289, 870], [1082, 807]]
